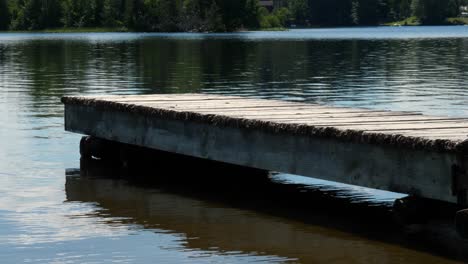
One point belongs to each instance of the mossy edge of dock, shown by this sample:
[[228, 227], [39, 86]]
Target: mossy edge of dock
[[353, 136]]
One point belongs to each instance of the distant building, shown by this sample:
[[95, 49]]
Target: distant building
[[272, 4], [267, 4], [464, 11]]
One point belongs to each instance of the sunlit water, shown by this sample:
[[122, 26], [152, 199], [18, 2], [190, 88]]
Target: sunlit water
[[49, 217]]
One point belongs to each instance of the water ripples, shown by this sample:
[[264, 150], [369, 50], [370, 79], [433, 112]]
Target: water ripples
[[45, 217]]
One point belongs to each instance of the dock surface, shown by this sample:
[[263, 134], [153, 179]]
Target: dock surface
[[397, 151]]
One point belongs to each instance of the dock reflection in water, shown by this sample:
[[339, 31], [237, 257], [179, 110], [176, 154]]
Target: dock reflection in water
[[276, 218]]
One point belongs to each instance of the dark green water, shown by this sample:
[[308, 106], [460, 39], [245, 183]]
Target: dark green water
[[50, 216]]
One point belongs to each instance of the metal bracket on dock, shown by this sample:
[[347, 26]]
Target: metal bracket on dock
[[460, 181]]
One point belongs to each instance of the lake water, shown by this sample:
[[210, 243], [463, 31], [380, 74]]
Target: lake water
[[51, 214]]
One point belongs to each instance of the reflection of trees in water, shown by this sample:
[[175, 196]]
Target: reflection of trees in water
[[362, 71]]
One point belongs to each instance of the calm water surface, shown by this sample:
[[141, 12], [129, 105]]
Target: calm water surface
[[51, 214]]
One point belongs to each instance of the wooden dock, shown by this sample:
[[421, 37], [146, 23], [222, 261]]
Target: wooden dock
[[407, 152]]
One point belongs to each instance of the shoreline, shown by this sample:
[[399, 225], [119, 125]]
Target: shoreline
[[123, 30]]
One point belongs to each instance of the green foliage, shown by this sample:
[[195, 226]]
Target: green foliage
[[218, 15], [283, 14], [252, 14], [4, 15], [453, 8], [112, 13], [368, 12], [299, 11], [214, 19], [430, 11], [232, 12], [458, 20], [355, 16], [269, 21], [35, 14], [410, 21], [279, 18], [81, 13], [405, 9]]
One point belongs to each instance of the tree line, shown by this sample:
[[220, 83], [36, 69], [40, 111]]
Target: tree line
[[137, 15], [372, 12], [216, 15]]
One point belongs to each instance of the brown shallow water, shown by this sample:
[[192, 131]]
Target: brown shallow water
[[49, 213]]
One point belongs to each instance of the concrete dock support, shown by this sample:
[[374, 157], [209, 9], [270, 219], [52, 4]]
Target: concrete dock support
[[416, 172]]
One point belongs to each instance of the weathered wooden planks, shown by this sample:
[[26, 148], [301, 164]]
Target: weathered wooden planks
[[409, 124]]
